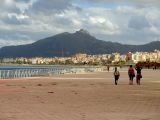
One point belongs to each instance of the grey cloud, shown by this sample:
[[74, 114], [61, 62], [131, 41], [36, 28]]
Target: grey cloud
[[48, 6], [12, 8], [136, 39], [79, 9], [16, 35], [13, 35], [111, 1], [156, 24], [138, 22], [48, 14], [26, 1], [139, 3], [13, 20], [62, 22], [10, 42]]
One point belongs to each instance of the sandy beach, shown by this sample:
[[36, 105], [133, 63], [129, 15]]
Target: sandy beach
[[85, 96]]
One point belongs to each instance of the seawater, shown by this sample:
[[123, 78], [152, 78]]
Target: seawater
[[39, 67]]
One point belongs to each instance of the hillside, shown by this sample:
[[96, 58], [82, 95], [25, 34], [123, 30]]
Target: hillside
[[78, 42]]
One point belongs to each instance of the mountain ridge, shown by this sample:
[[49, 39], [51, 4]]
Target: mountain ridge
[[71, 43]]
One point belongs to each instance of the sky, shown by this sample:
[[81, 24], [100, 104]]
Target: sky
[[132, 22]]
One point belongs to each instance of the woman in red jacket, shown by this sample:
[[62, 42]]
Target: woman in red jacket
[[131, 75]]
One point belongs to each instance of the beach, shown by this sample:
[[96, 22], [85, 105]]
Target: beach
[[82, 96]]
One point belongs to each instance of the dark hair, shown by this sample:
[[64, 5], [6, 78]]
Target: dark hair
[[130, 65], [115, 68]]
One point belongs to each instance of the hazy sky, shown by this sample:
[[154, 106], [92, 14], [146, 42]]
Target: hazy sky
[[26, 21]]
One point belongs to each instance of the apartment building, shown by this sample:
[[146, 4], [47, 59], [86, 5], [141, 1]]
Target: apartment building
[[143, 56], [81, 58]]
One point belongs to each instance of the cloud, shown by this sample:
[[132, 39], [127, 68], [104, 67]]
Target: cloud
[[138, 22], [62, 20], [9, 6], [26, 1], [79, 9], [155, 30], [51, 6], [134, 22], [138, 3], [15, 20], [10, 42]]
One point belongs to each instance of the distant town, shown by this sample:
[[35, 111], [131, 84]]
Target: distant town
[[84, 59]]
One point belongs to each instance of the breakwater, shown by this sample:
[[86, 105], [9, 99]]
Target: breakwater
[[11, 74]]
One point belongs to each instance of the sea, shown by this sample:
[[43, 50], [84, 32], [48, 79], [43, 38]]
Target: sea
[[17, 67]]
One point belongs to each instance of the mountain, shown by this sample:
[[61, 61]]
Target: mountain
[[71, 43]]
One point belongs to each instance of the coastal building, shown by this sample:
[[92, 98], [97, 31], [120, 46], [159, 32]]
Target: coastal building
[[84, 58], [34, 61]]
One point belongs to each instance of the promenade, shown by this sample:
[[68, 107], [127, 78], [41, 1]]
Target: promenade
[[85, 96]]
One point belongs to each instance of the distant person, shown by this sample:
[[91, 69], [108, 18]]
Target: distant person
[[155, 67], [108, 67], [116, 74], [139, 75], [131, 75], [120, 67]]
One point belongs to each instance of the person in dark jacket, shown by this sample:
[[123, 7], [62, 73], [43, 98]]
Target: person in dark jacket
[[139, 75], [116, 74]]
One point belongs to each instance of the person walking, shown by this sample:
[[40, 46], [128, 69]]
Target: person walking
[[116, 74], [139, 75], [131, 75], [108, 68]]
